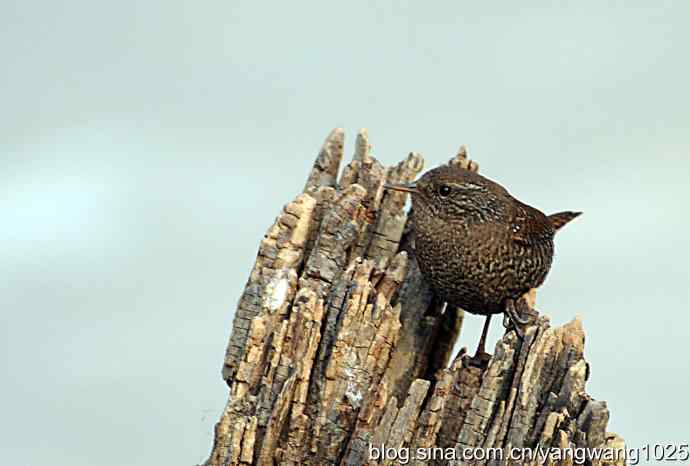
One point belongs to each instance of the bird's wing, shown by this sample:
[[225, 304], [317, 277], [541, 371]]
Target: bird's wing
[[530, 226]]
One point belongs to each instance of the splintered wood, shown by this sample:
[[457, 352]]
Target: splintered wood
[[338, 349]]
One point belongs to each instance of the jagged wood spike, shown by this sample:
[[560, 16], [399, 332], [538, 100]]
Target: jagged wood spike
[[324, 173]]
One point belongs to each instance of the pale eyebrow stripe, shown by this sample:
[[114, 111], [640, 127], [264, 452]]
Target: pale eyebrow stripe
[[471, 186]]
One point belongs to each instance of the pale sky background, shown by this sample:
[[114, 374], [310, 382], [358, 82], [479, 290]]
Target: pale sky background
[[145, 147]]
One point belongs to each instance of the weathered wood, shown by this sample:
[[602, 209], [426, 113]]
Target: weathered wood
[[339, 347]]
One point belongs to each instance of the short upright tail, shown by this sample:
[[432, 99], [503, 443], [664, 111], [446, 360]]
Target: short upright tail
[[561, 218]]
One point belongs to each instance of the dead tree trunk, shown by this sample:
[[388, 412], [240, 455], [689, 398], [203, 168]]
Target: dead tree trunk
[[338, 347]]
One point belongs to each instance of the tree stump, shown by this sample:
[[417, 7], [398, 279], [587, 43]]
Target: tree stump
[[339, 352]]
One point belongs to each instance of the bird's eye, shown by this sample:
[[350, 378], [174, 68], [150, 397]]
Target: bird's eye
[[444, 190]]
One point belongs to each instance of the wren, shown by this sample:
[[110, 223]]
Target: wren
[[479, 248]]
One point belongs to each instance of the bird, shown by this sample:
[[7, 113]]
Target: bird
[[478, 247]]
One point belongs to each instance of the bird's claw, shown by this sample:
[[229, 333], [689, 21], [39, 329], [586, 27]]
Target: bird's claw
[[508, 324], [514, 315], [513, 319], [480, 359]]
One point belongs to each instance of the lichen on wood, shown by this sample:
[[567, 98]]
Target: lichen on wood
[[338, 345]]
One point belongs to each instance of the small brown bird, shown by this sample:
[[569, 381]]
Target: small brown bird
[[479, 248]]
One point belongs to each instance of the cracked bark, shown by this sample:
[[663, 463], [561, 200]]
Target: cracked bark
[[339, 346]]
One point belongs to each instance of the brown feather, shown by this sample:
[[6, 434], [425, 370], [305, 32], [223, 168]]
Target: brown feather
[[560, 219]]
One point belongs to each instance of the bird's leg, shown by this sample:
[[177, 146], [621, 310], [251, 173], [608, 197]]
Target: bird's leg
[[507, 324], [482, 339], [481, 357], [515, 320], [514, 314]]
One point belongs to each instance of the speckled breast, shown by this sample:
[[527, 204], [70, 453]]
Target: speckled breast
[[477, 269]]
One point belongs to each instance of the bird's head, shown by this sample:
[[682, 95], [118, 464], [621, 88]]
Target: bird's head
[[450, 192]]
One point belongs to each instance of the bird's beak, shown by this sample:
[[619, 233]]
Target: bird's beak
[[406, 188]]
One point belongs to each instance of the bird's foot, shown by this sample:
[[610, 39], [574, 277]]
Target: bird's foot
[[509, 325], [480, 359], [515, 316], [518, 318]]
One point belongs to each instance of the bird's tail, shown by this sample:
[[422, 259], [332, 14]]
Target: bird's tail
[[561, 218]]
